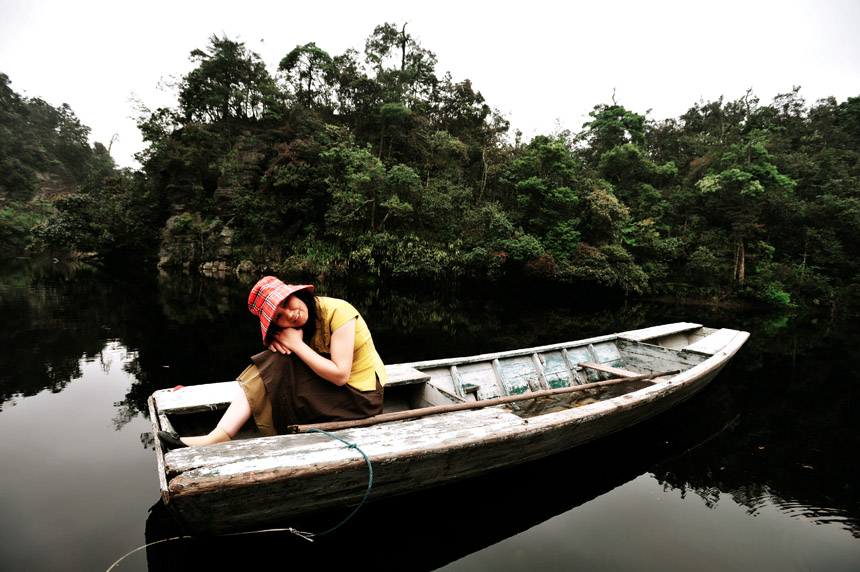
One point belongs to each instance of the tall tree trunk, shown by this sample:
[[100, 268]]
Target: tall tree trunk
[[373, 215], [485, 168], [403, 42], [740, 262]]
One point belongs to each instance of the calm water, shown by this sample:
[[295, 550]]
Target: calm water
[[759, 472]]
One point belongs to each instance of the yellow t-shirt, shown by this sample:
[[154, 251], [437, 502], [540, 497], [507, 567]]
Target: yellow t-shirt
[[333, 313]]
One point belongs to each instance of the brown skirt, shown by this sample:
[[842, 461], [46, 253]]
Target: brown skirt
[[282, 391]]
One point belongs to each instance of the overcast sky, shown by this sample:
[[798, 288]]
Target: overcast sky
[[542, 64]]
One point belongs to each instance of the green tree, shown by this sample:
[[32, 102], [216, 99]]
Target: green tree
[[309, 73], [404, 69], [611, 126], [736, 189], [111, 218], [636, 180], [544, 181], [229, 82], [36, 140]]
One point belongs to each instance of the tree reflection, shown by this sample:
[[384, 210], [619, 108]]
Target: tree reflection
[[797, 440], [795, 444], [46, 330]]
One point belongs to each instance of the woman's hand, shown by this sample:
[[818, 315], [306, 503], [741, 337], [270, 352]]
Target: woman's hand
[[336, 369], [286, 340]]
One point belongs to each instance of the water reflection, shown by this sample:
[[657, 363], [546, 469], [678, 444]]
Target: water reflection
[[779, 432], [44, 336], [73, 474], [796, 444]]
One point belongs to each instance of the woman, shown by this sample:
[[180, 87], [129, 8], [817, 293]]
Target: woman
[[321, 366]]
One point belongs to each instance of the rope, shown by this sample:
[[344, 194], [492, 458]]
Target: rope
[[309, 536], [369, 480], [112, 566]]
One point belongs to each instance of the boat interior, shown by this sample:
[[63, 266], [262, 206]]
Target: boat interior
[[196, 409]]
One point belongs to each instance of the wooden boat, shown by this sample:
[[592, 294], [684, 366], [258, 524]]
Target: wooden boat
[[444, 420]]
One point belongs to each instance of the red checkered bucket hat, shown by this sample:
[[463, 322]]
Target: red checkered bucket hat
[[265, 297]]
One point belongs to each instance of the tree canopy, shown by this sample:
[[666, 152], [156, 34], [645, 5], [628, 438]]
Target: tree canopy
[[374, 162]]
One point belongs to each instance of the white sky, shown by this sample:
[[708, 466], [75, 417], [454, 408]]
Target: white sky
[[542, 64]]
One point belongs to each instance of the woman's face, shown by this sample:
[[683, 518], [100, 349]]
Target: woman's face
[[291, 313]]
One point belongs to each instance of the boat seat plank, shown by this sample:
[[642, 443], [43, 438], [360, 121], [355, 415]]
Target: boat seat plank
[[609, 369], [646, 357], [713, 343], [194, 398], [399, 374], [660, 331]]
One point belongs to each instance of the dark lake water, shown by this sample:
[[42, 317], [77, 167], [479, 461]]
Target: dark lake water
[[758, 472]]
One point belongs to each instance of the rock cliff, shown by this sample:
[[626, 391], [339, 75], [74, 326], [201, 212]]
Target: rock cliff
[[199, 233]]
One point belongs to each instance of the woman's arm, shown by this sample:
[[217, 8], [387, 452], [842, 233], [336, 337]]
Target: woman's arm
[[336, 369]]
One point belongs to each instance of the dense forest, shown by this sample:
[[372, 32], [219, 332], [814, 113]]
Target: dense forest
[[376, 164]]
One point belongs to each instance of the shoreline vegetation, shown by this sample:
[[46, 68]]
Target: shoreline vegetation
[[375, 164]]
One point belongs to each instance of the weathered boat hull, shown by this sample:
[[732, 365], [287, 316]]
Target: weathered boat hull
[[254, 483]]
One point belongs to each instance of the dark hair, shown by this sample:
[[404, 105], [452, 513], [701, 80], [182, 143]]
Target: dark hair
[[310, 327]]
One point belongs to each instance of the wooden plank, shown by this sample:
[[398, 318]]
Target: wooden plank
[[451, 397], [557, 372], [193, 398], [164, 423], [500, 381], [577, 374], [648, 357], [446, 362], [297, 450], [609, 369], [659, 331], [481, 375], [541, 373], [713, 343], [607, 353], [403, 375], [441, 378], [458, 383], [579, 354], [592, 374], [518, 374], [159, 453]]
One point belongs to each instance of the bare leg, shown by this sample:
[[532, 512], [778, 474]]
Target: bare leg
[[236, 415]]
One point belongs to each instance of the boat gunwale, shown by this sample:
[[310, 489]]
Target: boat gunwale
[[633, 335]]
